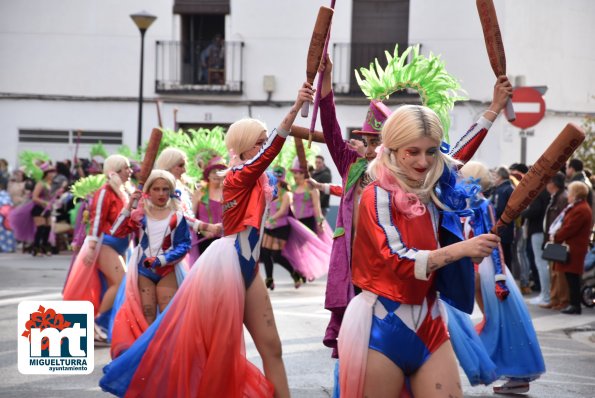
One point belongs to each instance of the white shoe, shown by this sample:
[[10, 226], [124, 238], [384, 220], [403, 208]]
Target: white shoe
[[512, 387], [538, 300], [100, 335]]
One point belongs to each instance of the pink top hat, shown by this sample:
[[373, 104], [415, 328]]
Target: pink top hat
[[377, 115], [215, 163]]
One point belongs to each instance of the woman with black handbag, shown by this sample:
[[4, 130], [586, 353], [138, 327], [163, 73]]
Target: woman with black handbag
[[573, 227]]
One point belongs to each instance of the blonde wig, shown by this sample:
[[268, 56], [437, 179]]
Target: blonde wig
[[169, 158], [241, 136], [478, 171], [406, 125], [174, 202], [111, 167]]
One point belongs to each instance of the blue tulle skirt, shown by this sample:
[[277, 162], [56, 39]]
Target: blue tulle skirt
[[507, 333], [469, 349]]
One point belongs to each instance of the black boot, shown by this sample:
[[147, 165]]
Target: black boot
[[572, 310]]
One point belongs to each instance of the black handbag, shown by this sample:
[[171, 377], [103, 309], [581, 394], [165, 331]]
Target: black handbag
[[557, 252]]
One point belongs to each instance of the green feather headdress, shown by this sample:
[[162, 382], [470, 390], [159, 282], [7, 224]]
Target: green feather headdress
[[125, 151], [87, 186], [204, 144], [98, 150], [437, 89], [287, 155], [30, 161]]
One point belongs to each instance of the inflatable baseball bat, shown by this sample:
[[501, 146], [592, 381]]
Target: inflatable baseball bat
[[148, 160], [494, 44], [301, 155], [304, 133], [315, 51], [552, 160]]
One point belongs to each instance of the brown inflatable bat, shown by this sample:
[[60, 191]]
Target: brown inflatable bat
[[321, 29], [301, 154], [303, 133], [149, 159], [494, 45], [540, 173]]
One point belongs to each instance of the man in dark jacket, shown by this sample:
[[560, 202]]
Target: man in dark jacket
[[322, 174], [502, 190]]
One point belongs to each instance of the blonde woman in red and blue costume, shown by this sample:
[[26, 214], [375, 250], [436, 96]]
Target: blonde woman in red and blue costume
[[155, 270], [410, 246], [174, 161], [352, 167], [102, 253], [506, 330], [200, 334]]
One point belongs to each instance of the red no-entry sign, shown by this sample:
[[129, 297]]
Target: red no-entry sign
[[529, 107]]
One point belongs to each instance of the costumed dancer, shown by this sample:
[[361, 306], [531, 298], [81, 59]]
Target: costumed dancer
[[306, 201], [41, 210], [207, 153], [437, 90], [200, 334], [208, 207], [83, 191], [21, 218], [7, 241], [99, 267], [154, 269], [174, 160], [506, 329], [276, 233], [410, 246], [308, 248]]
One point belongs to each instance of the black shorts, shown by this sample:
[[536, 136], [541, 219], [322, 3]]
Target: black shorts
[[37, 211], [279, 232], [309, 222]]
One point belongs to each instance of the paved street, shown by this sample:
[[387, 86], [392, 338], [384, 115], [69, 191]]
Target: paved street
[[301, 319]]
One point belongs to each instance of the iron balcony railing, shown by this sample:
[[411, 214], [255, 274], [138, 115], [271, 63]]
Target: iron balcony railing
[[199, 67], [350, 56]]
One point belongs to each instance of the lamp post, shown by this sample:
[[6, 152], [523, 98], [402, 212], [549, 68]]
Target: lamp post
[[142, 20]]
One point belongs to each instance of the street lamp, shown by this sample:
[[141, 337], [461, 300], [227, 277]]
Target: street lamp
[[142, 20]]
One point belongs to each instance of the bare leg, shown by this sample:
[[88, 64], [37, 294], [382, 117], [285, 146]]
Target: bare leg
[[478, 296], [166, 288], [148, 298], [383, 377], [439, 376], [112, 267], [260, 321]]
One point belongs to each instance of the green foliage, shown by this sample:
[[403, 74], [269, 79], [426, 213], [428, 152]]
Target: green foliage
[[586, 152]]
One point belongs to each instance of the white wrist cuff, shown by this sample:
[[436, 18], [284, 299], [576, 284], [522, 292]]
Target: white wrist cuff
[[420, 268]]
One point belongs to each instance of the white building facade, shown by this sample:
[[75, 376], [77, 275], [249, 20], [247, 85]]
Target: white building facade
[[74, 65]]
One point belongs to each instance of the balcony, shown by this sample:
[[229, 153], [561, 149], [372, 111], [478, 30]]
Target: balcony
[[198, 68], [350, 56]]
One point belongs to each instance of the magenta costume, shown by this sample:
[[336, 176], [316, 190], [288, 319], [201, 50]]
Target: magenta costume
[[209, 211], [303, 208]]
